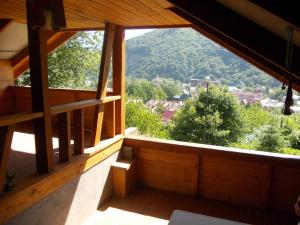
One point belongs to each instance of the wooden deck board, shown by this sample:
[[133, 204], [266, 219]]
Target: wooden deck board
[[149, 206]]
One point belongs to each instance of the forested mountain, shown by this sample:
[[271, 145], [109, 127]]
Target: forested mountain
[[183, 54]]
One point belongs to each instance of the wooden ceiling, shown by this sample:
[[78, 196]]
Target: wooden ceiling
[[93, 14]]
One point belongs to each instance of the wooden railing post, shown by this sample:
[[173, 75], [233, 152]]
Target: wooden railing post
[[102, 82], [78, 118], [119, 77], [6, 135], [110, 123], [64, 136]]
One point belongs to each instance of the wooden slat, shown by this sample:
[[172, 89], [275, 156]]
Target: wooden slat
[[81, 104], [37, 44], [18, 118], [220, 24], [20, 62], [78, 118], [64, 136], [102, 81], [6, 135], [119, 68], [110, 119]]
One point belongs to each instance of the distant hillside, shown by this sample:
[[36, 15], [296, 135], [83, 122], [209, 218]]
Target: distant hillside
[[183, 54]]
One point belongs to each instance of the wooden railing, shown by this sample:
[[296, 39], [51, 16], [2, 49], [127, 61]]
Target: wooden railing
[[70, 115], [244, 177]]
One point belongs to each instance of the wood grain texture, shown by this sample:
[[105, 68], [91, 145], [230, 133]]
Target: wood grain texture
[[80, 13], [250, 178], [78, 117], [172, 171], [236, 182]]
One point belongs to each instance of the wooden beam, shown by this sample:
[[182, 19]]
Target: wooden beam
[[238, 34], [119, 69], [102, 82], [285, 10], [111, 119], [6, 135], [4, 24], [20, 62], [64, 136]]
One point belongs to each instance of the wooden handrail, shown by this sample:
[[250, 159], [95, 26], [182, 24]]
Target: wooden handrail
[[81, 104], [23, 117], [20, 117]]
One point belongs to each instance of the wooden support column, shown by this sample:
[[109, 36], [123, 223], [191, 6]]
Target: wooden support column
[[64, 136], [6, 135], [78, 117], [40, 103], [42, 15], [102, 82], [119, 56], [111, 120]]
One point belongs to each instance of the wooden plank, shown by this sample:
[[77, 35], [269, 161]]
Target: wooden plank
[[233, 181], [20, 62], [214, 151], [18, 118], [38, 187], [64, 136], [6, 135], [37, 43], [170, 171], [119, 69], [78, 117], [219, 24], [110, 122], [81, 104], [102, 81]]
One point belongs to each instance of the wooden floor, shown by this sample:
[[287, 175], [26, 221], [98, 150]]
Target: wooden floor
[[148, 206]]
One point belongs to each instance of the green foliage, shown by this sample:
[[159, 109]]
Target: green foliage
[[270, 139], [213, 118], [170, 87], [147, 122], [143, 89], [75, 64], [182, 54]]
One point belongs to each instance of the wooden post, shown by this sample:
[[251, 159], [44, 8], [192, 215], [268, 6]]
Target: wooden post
[[78, 118], [102, 81], [40, 103], [64, 136], [37, 22], [119, 77], [6, 135]]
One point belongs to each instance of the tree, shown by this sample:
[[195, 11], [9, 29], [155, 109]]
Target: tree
[[270, 139], [75, 64], [143, 89], [147, 122], [170, 87], [213, 118]]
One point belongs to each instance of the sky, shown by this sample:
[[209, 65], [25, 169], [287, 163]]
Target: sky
[[135, 32]]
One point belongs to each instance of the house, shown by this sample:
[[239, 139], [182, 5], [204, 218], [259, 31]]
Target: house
[[73, 159]]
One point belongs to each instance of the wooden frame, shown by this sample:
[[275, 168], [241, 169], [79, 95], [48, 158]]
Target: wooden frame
[[102, 81]]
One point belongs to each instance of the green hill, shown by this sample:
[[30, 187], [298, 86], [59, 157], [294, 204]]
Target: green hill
[[183, 54]]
